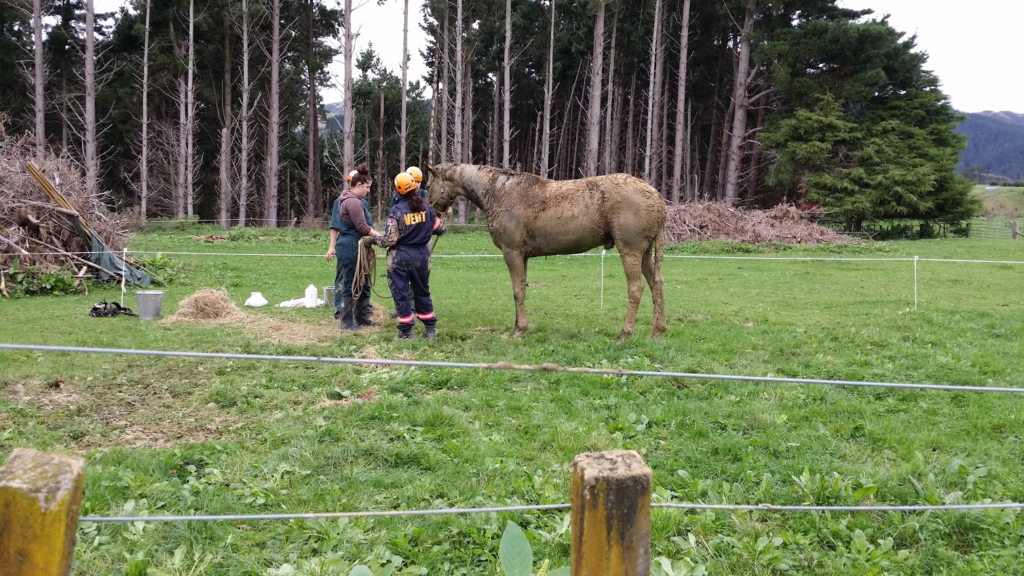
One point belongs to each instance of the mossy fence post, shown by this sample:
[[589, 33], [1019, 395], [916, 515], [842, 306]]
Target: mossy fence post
[[611, 514], [40, 496]]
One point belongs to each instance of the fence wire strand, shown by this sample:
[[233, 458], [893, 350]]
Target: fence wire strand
[[505, 366], [542, 507], [598, 254]]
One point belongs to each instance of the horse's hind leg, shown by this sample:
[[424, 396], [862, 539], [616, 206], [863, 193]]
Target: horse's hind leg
[[634, 280], [652, 272], [516, 264]]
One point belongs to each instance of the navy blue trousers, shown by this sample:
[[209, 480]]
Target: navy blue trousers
[[409, 280]]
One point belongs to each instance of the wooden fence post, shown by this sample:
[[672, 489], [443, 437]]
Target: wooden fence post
[[611, 514], [40, 495]]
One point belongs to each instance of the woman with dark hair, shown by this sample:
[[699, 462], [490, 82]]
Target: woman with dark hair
[[350, 221], [409, 227]]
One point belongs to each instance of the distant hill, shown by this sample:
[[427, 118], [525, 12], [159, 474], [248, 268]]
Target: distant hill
[[995, 140]]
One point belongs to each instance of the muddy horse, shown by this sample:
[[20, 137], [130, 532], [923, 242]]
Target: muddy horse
[[528, 216]]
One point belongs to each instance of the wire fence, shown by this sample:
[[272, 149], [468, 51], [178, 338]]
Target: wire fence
[[507, 366], [578, 254], [543, 507]]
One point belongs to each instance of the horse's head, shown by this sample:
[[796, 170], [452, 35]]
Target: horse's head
[[444, 186]]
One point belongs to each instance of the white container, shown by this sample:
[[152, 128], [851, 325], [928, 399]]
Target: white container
[[311, 294]]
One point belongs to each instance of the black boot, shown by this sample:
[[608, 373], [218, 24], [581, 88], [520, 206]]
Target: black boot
[[348, 310], [431, 331], [364, 310], [404, 332]]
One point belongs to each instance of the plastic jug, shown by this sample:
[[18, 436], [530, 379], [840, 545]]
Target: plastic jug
[[311, 293]]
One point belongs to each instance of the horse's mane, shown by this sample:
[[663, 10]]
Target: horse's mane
[[510, 173]]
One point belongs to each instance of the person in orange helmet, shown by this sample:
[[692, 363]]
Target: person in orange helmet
[[407, 232]]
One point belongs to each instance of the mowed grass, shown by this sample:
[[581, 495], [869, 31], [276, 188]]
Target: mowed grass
[[168, 436]]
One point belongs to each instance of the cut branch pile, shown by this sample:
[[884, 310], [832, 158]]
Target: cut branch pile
[[717, 221], [37, 230]]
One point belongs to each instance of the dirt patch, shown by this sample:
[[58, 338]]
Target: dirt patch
[[718, 221], [282, 332], [213, 306], [100, 418]]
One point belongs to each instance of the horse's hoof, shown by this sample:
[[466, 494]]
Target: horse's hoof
[[517, 332], [658, 332], [624, 335]]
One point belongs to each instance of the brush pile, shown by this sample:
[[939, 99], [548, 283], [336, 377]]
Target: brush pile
[[717, 221], [35, 229]]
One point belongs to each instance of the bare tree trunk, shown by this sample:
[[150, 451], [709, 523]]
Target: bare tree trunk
[[495, 125], [314, 190], [144, 168], [190, 142], [467, 127], [755, 162], [616, 141], [709, 162], [660, 141], [723, 151], [63, 108], [507, 88], [651, 95], [545, 139], [274, 117], [37, 32], [609, 105], [225, 134], [91, 164], [432, 130], [631, 130], [445, 104], [681, 126], [349, 121], [741, 100], [689, 191], [405, 82], [180, 185], [596, 84], [243, 183], [458, 83], [382, 178]]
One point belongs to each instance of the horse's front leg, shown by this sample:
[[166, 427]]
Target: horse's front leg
[[516, 263]]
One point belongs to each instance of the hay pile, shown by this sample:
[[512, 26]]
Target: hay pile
[[31, 223], [717, 221], [207, 305]]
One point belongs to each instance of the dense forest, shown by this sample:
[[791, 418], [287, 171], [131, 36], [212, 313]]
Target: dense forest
[[215, 110], [995, 147]]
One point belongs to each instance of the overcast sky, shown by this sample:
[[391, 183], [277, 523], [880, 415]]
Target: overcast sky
[[973, 47]]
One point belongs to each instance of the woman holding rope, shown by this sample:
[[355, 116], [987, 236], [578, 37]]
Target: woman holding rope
[[409, 227], [350, 221]]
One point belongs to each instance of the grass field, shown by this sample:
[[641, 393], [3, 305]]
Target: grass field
[[1007, 201], [190, 436]]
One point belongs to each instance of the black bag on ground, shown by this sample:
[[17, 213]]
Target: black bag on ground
[[105, 309]]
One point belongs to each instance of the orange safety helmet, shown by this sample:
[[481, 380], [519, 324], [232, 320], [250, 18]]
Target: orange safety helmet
[[416, 173], [405, 183]]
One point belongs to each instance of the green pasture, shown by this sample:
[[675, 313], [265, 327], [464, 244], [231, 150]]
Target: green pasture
[[170, 436], [1007, 201]]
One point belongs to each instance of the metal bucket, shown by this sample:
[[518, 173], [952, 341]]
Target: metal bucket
[[148, 303], [329, 296]]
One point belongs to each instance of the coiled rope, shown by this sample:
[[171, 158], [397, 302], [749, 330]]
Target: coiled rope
[[366, 268]]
